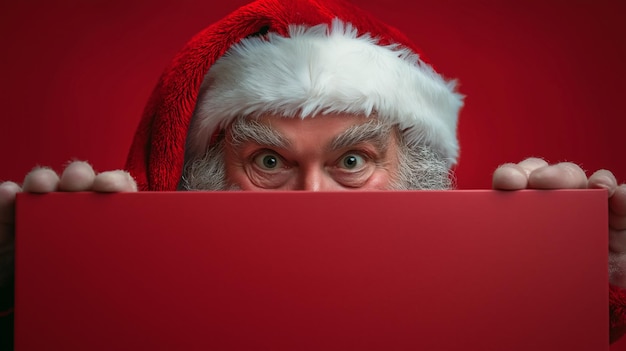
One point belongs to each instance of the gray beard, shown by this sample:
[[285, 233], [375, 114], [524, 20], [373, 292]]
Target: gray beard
[[206, 173], [419, 169]]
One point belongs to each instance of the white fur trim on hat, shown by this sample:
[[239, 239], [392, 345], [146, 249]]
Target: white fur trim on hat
[[320, 70]]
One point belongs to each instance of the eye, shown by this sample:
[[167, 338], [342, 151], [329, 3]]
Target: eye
[[268, 161], [352, 162]]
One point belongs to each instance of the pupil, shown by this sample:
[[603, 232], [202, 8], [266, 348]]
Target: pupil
[[350, 161], [269, 161]]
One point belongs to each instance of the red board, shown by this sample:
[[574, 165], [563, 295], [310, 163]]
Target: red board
[[458, 270], [541, 77]]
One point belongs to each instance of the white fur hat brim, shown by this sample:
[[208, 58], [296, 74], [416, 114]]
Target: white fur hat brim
[[319, 70]]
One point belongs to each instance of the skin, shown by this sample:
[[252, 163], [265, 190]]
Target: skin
[[309, 160], [309, 169]]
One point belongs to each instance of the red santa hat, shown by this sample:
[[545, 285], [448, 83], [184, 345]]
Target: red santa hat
[[295, 58]]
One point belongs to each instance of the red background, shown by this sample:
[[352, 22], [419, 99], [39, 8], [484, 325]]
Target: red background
[[542, 78]]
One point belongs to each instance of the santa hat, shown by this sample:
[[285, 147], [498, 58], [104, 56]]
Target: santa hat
[[295, 58]]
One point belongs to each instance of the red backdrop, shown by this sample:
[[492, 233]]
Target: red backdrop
[[542, 78]]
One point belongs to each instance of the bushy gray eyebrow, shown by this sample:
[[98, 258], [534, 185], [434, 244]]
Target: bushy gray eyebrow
[[373, 131], [244, 130]]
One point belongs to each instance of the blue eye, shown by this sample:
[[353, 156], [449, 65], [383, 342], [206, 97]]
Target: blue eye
[[268, 161], [352, 161]]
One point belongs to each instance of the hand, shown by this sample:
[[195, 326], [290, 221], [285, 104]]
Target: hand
[[534, 173], [77, 176]]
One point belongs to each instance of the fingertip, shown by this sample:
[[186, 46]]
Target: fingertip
[[564, 175], [77, 176], [532, 163], [8, 191], [133, 183], [603, 179], [8, 188], [617, 202], [509, 176], [41, 180], [114, 181]]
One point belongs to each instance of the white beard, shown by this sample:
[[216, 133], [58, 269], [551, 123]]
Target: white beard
[[207, 173]]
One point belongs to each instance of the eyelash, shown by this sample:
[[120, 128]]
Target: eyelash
[[367, 158], [366, 154]]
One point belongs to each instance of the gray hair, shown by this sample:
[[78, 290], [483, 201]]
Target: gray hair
[[206, 173], [421, 168]]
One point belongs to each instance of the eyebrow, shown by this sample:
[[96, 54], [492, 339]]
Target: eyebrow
[[244, 130], [373, 131]]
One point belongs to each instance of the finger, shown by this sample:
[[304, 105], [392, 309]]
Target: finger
[[512, 176], [531, 164], [603, 179], [41, 180], [617, 240], [509, 176], [617, 202], [77, 176], [114, 181], [8, 190], [565, 175], [617, 210]]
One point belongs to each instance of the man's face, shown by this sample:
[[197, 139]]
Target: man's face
[[324, 153]]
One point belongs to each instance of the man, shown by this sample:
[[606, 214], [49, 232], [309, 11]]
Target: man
[[305, 95]]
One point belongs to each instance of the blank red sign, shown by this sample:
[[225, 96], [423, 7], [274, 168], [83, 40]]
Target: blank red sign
[[456, 270]]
